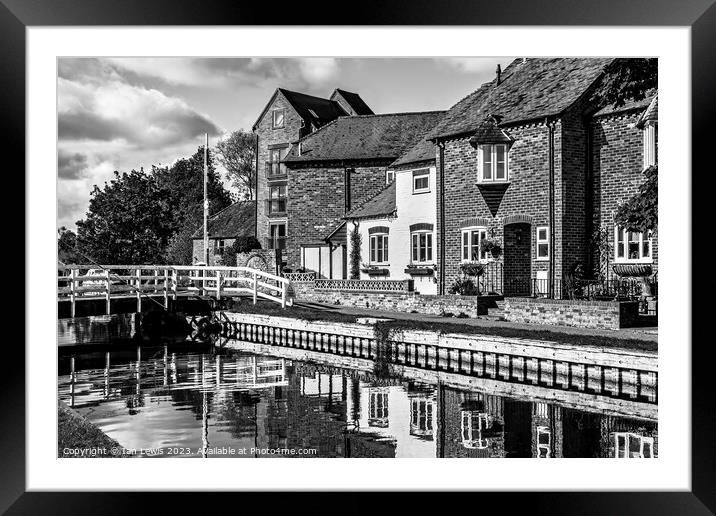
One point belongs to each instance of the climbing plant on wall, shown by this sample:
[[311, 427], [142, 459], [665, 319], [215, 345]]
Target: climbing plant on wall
[[356, 241]]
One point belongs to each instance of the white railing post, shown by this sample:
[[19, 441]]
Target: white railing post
[[72, 292], [108, 292], [138, 290], [175, 283], [284, 293], [255, 285], [166, 288], [218, 284], [156, 279]]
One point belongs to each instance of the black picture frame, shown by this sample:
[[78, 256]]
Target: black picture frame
[[699, 15]]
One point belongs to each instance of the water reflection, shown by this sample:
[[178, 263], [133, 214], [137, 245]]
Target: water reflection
[[154, 399]]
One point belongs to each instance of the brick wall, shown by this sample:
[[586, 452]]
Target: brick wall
[[617, 169], [609, 315], [268, 136], [198, 250]]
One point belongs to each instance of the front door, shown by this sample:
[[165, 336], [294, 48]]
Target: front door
[[317, 259], [518, 259]]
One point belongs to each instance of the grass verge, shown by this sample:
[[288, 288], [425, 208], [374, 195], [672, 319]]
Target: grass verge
[[74, 432]]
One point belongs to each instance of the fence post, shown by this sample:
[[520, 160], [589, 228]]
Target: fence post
[[175, 283], [218, 284], [156, 279], [255, 285], [138, 289], [284, 292], [108, 293], [166, 289], [72, 292]]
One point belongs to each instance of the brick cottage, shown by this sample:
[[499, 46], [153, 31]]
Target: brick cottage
[[235, 221], [287, 117], [532, 163]]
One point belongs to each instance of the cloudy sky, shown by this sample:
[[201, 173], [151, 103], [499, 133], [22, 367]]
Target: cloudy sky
[[126, 113]]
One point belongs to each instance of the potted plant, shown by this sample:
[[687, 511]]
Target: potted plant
[[488, 245], [418, 270], [472, 269], [373, 270]]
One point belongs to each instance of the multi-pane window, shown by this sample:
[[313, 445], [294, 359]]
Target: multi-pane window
[[492, 163], [628, 445], [421, 416], [277, 199], [378, 407], [421, 246], [544, 442], [220, 246], [542, 243], [379, 248], [471, 241], [632, 246], [421, 181], [389, 176], [278, 118], [274, 167], [277, 236], [472, 426]]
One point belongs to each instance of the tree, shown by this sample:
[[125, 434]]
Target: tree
[[237, 154], [67, 247], [241, 245], [129, 221], [641, 211], [183, 183], [628, 79]]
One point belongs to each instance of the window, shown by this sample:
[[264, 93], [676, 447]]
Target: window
[[650, 143], [389, 176], [277, 199], [220, 246], [379, 248], [544, 442], [542, 243], [471, 241], [277, 236], [421, 416], [378, 407], [422, 246], [632, 246], [629, 445], [492, 163], [274, 167], [472, 426], [278, 118], [421, 181]]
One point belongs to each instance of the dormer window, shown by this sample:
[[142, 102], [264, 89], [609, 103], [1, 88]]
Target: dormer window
[[492, 163], [278, 118]]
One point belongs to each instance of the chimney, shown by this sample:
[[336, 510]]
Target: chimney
[[499, 73]]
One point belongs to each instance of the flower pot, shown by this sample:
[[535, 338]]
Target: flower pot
[[632, 270]]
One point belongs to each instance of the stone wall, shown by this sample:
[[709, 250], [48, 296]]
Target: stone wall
[[398, 302], [267, 260], [608, 315]]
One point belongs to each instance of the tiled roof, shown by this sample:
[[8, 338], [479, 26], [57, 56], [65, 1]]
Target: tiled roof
[[233, 221], [364, 137], [424, 150], [629, 105], [382, 203], [356, 102], [315, 110], [528, 90]]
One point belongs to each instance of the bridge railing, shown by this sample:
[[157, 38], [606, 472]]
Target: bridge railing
[[108, 282]]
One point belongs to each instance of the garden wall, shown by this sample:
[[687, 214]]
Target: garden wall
[[394, 301], [610, 315]]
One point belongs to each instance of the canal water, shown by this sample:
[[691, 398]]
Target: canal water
[[239, 400]]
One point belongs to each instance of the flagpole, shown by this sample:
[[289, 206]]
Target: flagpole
[[206, 200]]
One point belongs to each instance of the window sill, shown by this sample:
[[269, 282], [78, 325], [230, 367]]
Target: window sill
[[496, 183], [647, 261], [542, 259], [420, 192]]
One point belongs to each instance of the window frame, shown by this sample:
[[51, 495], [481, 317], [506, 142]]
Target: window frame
[[650, 137], [373, 251], [428, 248], [425, 175], [274, 112], [493, 163], [642, 239], [539, 241], [220, 247], [482, 233], [389, 174]]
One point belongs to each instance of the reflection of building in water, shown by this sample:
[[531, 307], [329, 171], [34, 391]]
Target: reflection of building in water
[[629, 438], [378, 407], [546, 428], [628, 445], [474, 424], [422, 415]]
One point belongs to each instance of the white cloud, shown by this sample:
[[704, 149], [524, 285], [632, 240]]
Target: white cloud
[[318, 69], [480, 65]]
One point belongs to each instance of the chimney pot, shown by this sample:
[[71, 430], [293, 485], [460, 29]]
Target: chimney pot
[[499, 73]]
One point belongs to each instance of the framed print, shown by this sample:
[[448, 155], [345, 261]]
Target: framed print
[[437, 237]]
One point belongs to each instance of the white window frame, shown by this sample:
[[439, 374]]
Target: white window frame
[[220, 246], [373, 248], [492, 147], [626, 437], [428, 256], [650, 132], [273, 118], [539, 241], [426, 175], [482, 233], [471, 436], [389, 176], [547, 447], [642, 238]]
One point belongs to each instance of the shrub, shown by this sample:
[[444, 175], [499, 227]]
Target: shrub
[[464, 287], [472, 269]]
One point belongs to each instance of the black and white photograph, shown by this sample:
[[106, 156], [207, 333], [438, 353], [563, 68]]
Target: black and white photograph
[[342, 257]]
